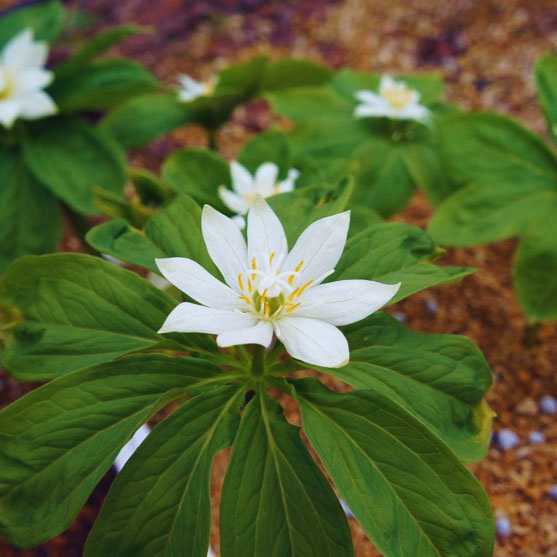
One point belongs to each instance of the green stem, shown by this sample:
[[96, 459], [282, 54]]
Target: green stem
[[258, 361], [80, 226], [212, 132]]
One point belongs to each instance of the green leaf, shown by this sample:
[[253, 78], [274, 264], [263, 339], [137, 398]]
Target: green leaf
[[58, 441], [270, 146], [199, 173], [275, 500], [71, 158], [243, 80], [287, 73], [545, 73], [392, 253], [140, 120], [71, 311], [159, 504], [407, 489], [441, 379], [29, 213], [46, 21], [100, 85], [535, 265]]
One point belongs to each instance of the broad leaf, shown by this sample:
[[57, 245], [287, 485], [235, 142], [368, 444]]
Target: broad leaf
[[270, 146], [29, 213], [71, 158], [287, 73], [407, 489], [395, 252], [545, 73], [275, 500], [58, 441], [159, 504]]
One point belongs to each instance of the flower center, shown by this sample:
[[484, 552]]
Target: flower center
[[6, 84], [399, 96]]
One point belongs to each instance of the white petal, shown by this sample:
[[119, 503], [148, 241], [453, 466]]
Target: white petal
[[225, 245], [233, 201], [266, 177], [9, 111], [31, 80], [37, 105], [193, 318], [288, 184], [262, 333], [345, 301], [190, 89], [319, 247], [23, 52], [417, 112], [239, 221], [199, 284], [368, 97], [265, 233], [242, 180], [365, 110], [313, 341], [387, 82]]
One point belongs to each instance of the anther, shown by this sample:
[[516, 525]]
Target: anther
[[240, 282]]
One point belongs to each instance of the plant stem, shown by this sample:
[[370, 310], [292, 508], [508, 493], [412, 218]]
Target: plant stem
[[80, 226], [258, 361], [212, 132]]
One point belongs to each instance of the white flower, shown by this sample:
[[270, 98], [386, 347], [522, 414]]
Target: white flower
[[246, 188], [22, 78], [190, 89], [395, 100], [270, 290]]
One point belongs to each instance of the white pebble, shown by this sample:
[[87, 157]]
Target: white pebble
[[503, 526], [399, 316], [432, 306], [548, 404], [536, 437], [553, 492], [507, 439]]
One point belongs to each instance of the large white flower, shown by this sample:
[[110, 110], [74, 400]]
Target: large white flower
[[246, 188], [395, 100], [22, 78], [190, 89], [270, 290]]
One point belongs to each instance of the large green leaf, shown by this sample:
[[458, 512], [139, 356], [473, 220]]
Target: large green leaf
[[45, 20], [441, 379], [58, 441], [100, 85], [71, 158], [275, 500], [407, 489], [270, 146], [289, 72], [535, 265], [70, 311], [395, 252], [160, 504], [29, 213], [545, 73]]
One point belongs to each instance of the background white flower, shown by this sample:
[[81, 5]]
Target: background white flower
[[22, 78], [395, 100], [270, 290], [246, 188], [190, 89]]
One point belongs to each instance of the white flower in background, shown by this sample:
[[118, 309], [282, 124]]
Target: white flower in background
[[395, 100], [270, 290], [246, 188], [22, 80], [190, 89]]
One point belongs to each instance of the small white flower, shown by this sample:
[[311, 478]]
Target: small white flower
[[395, 100], [270, 290], [22, 78], [246, 188], [190, 89]]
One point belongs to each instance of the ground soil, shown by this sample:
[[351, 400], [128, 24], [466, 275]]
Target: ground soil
[[486, 51]]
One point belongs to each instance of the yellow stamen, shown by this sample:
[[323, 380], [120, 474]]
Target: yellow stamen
[[254, 263], [298, 267], [267, 309], [245, 298], [306, 285], [240, 281], [271, 258], [294, 294], [292, 307], [249, 286]]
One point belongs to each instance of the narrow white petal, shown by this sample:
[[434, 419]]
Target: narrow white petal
[[368, 97], [37, 105], [225, 244], [345, 301], [131, 446], [266, 176], [193, 318], [262, 333], [233, 201], [365, 110], [387, 82], [31, 80], [265, 232], [199, 284], [23, 52], [9, 111], [242, 180], [417, 112], [190, 89], [239, 221], [313, 341], [319, 247], [288, 184]]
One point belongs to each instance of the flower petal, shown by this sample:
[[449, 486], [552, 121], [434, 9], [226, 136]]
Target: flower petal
[[32, 80], [193, 318], [313, 341], [9, 111], [417, 112], [242, 180], [23, 52], [265, 232], [225, 245], [262, 333], [266, 177], [368, 97], [233, 201], [319, 248], [36, 105], [345, 301], [365, 110], [288, 183], [199, 284], [387, 82]]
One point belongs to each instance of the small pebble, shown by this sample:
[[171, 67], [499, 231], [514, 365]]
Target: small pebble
[[548, 404], [527, 407], [503, 526], [507, 439], [536, 437], [553, 492], [399, 316], [432, 306]]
